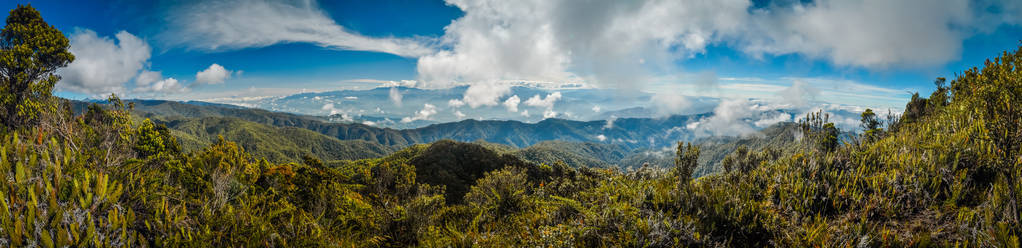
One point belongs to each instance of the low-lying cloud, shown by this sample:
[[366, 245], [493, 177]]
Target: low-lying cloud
[[395, 96], [425, 113], [798, 95]]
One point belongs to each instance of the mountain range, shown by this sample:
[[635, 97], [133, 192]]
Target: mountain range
[[286, 137]]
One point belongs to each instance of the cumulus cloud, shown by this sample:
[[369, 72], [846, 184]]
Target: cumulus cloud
[[596, 108], [236, 24], [604, 42], [512, 103], [395, 96], [601, 137], [101, 65], [545, 102], [626, 43], [459, 114], [153, 81], [215, 74], [485, 94], [425, 113]]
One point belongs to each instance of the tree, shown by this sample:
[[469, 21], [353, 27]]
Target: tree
[[869, 120], [30, 53], [686, 160], [829, 139], [818, 132], [152, 140], [870, 123]]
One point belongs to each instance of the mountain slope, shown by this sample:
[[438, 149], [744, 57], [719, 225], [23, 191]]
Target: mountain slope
[[575, 154], [277, 144]]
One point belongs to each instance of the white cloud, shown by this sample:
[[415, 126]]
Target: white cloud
[[425, 113], [153, 82], [459, 114], [670, 103], [549, 113], [455, 103], [351, 98], [395, 96], [601, 137], [604, 42], [344, 115], [102, 66], [525, 113], [627, 43], [485, 94], [799, 95], [872, 33], [596, 108], [215, 74], [221, 25], [402, 83], [610, 122], [512, 103], [329, 107], [728, 119], [692, 126], [766, 122], [545, 102], [706, 81]]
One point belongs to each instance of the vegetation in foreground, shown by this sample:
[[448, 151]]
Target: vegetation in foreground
[[944, 174]]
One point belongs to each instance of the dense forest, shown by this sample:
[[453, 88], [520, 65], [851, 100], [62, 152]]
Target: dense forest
[[945, 173]]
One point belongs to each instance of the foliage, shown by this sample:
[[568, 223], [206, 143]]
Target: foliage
[[30, 53], [818, 133], [275, 144]]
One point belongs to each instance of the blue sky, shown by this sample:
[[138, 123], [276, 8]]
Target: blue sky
[[839, 49]]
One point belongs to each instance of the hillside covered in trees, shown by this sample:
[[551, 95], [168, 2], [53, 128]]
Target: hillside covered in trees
[[946, 173]]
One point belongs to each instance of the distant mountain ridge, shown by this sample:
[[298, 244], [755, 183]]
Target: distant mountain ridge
[[285, 137], [517, 134]]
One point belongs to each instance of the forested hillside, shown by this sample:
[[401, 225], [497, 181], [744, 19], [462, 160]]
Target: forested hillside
[[276, 144], [518, 134], [947, 173], [274, 136]]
